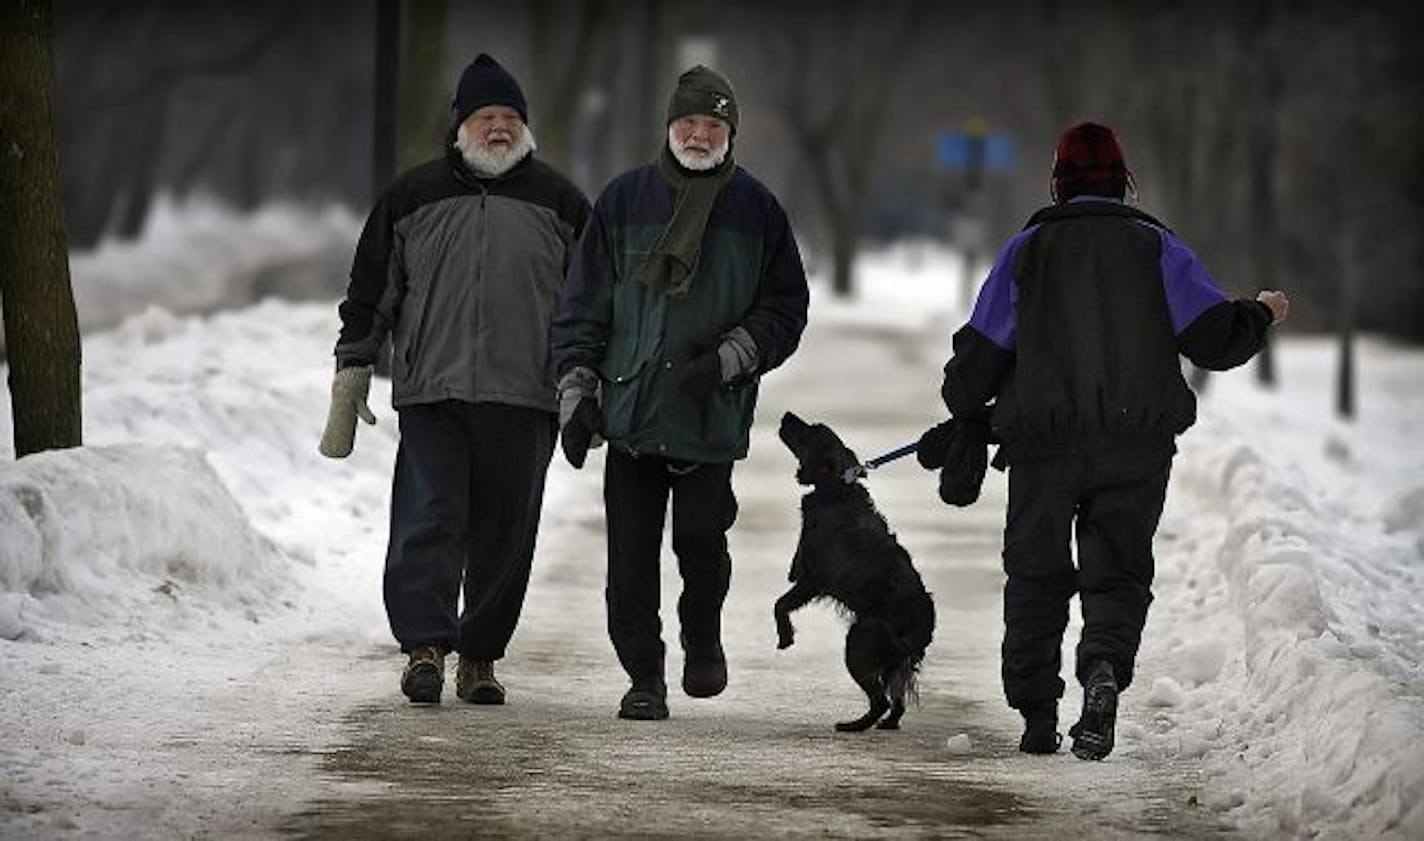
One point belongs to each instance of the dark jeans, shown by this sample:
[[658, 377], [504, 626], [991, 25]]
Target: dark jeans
[[1111, 503], [469, 482], [635, 495]]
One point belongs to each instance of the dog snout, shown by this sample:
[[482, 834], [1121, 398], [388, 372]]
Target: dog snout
[[792, 430]]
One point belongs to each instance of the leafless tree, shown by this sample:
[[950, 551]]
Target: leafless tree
[[833, 73], [41, 329]]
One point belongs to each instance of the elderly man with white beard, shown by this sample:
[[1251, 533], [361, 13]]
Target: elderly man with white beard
[[687, 287], [461, 261]]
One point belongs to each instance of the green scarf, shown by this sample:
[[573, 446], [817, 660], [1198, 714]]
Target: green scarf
[[672, 262]]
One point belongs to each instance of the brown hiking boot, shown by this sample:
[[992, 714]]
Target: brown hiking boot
[[424, 675], [475, 682]]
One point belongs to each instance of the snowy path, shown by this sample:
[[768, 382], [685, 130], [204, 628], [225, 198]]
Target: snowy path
[[762, 759]]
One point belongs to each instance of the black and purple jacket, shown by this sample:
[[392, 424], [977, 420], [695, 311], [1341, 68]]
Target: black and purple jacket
[[1073, 346]]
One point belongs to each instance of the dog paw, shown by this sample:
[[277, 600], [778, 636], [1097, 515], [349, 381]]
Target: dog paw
[[784, 642]]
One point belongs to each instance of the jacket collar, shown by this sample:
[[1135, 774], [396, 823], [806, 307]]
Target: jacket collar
[[1091, 206]]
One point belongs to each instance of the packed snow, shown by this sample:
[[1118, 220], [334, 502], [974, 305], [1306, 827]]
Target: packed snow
[[1287, 631]]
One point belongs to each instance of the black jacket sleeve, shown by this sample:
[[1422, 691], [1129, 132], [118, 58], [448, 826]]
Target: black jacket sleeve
[[777, 319], [1225, 335], [974, 374], [372, 297], [580, 330]]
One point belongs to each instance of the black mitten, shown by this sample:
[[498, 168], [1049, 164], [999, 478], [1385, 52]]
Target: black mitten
[[966, 461], [934, 444], [578, 433]]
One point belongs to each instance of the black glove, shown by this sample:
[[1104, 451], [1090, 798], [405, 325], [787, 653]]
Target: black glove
[[699, 376], [966, 460], [579, 431], [933, 445]]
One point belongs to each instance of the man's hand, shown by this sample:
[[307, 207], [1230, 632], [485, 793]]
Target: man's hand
[[934, 445], [349, 389], [1278, 303], [581, 432], [699, 376], [580, 421]]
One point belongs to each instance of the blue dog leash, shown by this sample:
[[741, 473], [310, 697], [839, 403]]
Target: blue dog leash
[[852, 474]]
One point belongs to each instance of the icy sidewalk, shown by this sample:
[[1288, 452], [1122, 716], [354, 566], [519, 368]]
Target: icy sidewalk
[[762, 759]]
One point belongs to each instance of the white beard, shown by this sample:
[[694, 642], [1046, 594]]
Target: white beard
[[489, 162], [695, 159]]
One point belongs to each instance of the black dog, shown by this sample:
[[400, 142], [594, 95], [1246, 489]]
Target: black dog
[[847, 553]]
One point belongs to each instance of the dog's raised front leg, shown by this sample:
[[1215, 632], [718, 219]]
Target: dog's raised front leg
[[793, 599]]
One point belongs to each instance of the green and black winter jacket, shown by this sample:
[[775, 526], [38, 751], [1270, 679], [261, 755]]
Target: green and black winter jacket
[[749, 275], [465, 273]]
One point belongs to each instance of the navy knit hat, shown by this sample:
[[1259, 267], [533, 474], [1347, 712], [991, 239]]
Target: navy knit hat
[[483, 83], [1089, 161], [702, 90]]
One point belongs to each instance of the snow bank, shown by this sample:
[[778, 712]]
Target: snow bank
[[1287, 617], [92, 536], [199, 256]]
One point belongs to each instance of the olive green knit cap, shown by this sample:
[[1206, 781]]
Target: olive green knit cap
[[702, 90]]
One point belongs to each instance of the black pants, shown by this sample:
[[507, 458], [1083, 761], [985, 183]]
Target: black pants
[[635, 496], [469, 482], [1112, 504]]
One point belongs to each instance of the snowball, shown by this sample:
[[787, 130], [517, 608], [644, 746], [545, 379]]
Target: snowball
[[1166, 692], [959, 744]]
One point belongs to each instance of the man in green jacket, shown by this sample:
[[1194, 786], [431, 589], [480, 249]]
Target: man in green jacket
[[687, 286]]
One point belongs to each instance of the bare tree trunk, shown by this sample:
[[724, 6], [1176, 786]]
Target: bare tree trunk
[[1260, 42], [387, 94], [561, 70], [41, 329], [424, 92], [1345, 372]]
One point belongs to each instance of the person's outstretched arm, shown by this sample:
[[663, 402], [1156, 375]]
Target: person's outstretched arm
[[1213, 332]]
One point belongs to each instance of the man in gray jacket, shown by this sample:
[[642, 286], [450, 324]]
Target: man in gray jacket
[[461, 261]]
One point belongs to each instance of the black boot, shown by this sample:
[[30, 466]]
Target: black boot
[[1093, 734], [645, 700], [1040, 730], [704, 667]]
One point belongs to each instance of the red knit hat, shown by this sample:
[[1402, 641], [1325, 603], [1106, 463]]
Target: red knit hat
[[1088, 161]]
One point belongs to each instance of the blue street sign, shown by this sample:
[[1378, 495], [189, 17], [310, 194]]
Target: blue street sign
[[957, 151], [999, 152]]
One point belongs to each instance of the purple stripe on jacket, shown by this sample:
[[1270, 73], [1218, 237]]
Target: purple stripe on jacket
[[1190, 289], [993, 314]]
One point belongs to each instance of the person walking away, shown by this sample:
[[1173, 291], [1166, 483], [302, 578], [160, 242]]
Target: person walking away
[[461, 261], [1071, 360], [687, 288]]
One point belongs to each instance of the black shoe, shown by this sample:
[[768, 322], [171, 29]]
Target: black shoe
[[1093, 734], [1040, 731], [424, 675], [704, 668], [646, 700]]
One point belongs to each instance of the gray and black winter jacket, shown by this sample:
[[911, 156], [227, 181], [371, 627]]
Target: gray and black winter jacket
[[465, 273]]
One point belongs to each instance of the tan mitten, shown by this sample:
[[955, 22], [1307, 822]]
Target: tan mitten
[[348, 400]]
